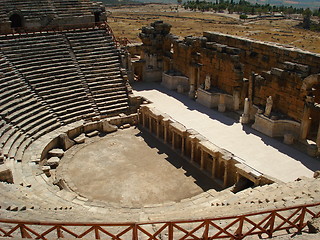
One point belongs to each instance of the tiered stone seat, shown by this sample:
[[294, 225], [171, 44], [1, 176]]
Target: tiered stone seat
[[31, 10], [73, 8], [23, 116], [99, 61], [44, 61]]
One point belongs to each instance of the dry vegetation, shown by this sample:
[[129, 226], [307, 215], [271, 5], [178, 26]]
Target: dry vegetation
[[126, 21]]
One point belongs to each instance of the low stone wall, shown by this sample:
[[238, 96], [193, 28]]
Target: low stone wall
[[75, 130], [221, 101], [175, 82], [276, 128], [224, 167]]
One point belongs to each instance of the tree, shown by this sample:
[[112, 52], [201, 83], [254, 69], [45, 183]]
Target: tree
[[306, 18]]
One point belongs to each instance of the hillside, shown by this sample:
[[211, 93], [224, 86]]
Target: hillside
[[294, 3]]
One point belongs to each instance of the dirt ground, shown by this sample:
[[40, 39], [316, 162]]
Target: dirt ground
[[126, 21], [130, 168]]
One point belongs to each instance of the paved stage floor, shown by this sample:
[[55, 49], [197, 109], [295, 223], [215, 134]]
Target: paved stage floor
[[265, 154]]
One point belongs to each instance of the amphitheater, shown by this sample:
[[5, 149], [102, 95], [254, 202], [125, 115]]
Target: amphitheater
[[205, 137]]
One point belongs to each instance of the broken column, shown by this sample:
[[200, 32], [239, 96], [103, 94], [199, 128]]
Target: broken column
[[245, 118]]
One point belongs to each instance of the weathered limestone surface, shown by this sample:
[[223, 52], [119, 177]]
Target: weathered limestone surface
[[56, 152], [66, 142], [223, 70], [5, 174], [108, 128]]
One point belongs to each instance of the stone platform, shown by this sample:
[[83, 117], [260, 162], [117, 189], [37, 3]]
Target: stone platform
[[130, 168], [259, 151]]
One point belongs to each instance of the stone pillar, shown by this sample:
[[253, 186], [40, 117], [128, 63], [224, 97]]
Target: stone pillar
[[225, 179], [139, 116], [173, 140], [191, 91], [150, 124], [213, 170], [158, 130], [165, 133], [192, 151], [236, 99], [245, 118], [305, 123], [202, 159], [222, 103], [182, 145], [143, 119]]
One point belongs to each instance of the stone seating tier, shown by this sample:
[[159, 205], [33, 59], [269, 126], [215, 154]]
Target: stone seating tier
[[44, 87]]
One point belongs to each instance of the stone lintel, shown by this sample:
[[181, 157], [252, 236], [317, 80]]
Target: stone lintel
[[209, 147], [178, 128]]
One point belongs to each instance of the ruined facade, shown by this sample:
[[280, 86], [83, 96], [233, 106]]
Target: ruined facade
[[277, 88]]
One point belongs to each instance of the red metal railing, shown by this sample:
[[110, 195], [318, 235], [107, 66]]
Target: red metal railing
[[233, 227]]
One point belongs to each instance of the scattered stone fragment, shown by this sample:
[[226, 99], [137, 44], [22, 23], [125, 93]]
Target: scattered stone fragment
[[80, 139], [125, 126], [66, 142], [92, 134], [56, 152], [107, 127], [6, 174], [53, 162]]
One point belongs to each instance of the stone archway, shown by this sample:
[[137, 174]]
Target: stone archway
[[97, 16], [16, 20], [310, 124]]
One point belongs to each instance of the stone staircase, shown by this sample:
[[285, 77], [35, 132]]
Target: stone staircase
[[72, 8], [46, 82], [54, 79], [24, 117], [99, 61]]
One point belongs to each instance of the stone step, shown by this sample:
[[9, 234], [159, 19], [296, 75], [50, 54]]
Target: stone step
[[10, 142]]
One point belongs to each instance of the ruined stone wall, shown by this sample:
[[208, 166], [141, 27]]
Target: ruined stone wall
[[239, 67], [285, 89], [196, 59], [259, 56]]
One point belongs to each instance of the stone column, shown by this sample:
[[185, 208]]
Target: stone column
[[236, 99], [182, 145], [139, 116], [213, 170], [143, 119], [225, 179], [192, 151], [165, 133], [305, 123], [202, 159], [191, 91], [150, 124], [222, 103], [173, 140], [245, 118], [158, 130]]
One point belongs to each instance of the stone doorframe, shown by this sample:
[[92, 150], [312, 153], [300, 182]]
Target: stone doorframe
[[307, 84]]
